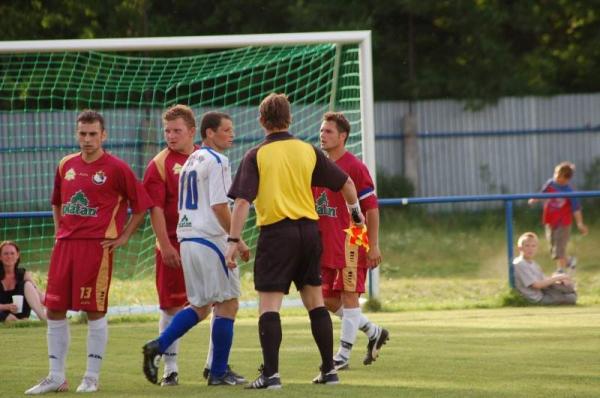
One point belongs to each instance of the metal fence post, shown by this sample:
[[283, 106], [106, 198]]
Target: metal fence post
[[508, 214]]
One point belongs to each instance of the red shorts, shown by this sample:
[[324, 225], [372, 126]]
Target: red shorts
[[170, 284], [336, 280], [79, 276]]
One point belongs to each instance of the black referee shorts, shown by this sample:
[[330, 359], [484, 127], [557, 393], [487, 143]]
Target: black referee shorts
[[289, 250]]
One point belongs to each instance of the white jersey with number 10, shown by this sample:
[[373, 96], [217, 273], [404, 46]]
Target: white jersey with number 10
[[204, 181]]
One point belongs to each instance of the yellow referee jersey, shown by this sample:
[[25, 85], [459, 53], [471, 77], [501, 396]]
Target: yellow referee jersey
[[277, 177]]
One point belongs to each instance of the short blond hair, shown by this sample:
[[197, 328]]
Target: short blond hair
[[526, 236], [564, 170], [180, 111]]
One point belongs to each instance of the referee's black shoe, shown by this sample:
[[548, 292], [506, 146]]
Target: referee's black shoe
[[263, 382], [228, 379], [152, 356], [238, 377]]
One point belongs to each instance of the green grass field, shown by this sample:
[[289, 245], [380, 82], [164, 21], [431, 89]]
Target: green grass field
[[430, 261], [443, 286], [508, 352]]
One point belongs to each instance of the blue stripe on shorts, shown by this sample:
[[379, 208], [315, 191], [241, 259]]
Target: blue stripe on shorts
[[211, 245]]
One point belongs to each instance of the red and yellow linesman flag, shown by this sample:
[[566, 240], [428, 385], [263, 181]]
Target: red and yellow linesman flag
[[358, 236]]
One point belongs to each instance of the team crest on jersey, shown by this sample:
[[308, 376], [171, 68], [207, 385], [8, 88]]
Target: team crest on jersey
[[323, 208], [177, 168], [78, 205], [184, 222], [99, 178], [70, 174]]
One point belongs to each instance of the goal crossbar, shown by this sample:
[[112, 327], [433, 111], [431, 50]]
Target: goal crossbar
[[183, 42], [361, 38]]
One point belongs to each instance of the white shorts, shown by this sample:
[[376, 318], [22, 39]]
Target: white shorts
[[207, 278]]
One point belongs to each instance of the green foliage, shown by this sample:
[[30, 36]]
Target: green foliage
[[592, 176], [513, 299], [592, 183], [474, 50], [372, 305], [394, 186]]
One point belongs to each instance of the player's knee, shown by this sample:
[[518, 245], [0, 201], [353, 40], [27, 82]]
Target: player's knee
[[227, 309], [350, 299], [332, 303], [202, 312], [312, 301], [56, 315]]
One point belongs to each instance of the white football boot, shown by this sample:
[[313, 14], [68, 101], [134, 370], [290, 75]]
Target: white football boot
[[48, 384], [88, 384]]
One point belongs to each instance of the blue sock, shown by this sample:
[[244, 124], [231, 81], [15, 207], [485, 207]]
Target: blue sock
[[181, 323], [222, 338]]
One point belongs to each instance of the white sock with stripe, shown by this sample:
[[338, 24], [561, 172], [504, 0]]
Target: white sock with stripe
[[170, 355], [96, 346], [368, 327], [59, 337], [350, 321]]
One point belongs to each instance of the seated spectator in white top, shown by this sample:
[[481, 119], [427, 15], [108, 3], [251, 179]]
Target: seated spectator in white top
[[531, 282]]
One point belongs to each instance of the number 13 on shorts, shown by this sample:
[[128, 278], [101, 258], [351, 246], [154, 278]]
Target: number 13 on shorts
[[85, 293]]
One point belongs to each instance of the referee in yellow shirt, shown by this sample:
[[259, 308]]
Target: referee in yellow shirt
[[277, 176]]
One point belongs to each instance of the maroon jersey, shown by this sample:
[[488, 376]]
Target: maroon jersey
[[93, 197], [334, 216], [161, 180]]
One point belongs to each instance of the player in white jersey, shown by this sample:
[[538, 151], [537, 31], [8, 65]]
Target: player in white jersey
[[205, 180], [204, 218]]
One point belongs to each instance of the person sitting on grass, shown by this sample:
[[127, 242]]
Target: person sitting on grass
[[531, 282], [15, 281]]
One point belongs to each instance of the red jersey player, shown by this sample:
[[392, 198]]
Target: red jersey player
[[92, 190], [161, 180], [344, 265]]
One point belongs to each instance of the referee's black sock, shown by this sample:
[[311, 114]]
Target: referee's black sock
[[269, 330], [322, 330]]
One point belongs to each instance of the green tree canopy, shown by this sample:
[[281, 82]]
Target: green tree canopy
[[477, 50]]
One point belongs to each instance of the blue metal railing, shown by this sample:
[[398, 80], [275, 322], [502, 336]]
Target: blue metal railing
[[508, 206], [508, 200], [489, 133]]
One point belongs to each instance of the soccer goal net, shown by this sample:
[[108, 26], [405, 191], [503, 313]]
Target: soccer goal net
[[43, 85]]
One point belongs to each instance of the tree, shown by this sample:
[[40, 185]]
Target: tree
[[476, 50]]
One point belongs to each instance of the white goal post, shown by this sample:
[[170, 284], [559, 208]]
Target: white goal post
[[360, 38]]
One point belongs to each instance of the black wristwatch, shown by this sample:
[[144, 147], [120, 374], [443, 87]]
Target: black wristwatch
[[234, 240]]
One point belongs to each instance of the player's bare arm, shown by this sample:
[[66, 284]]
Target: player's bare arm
[[134, 221], [169, 254], [56, 214], [223, 215], [241, 207], [542, 284], [373, 255]]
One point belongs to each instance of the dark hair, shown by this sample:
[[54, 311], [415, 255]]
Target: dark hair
[[180, 111], [9, 243], [212, 120], [275, 113], [89, 116], [342, 124]]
